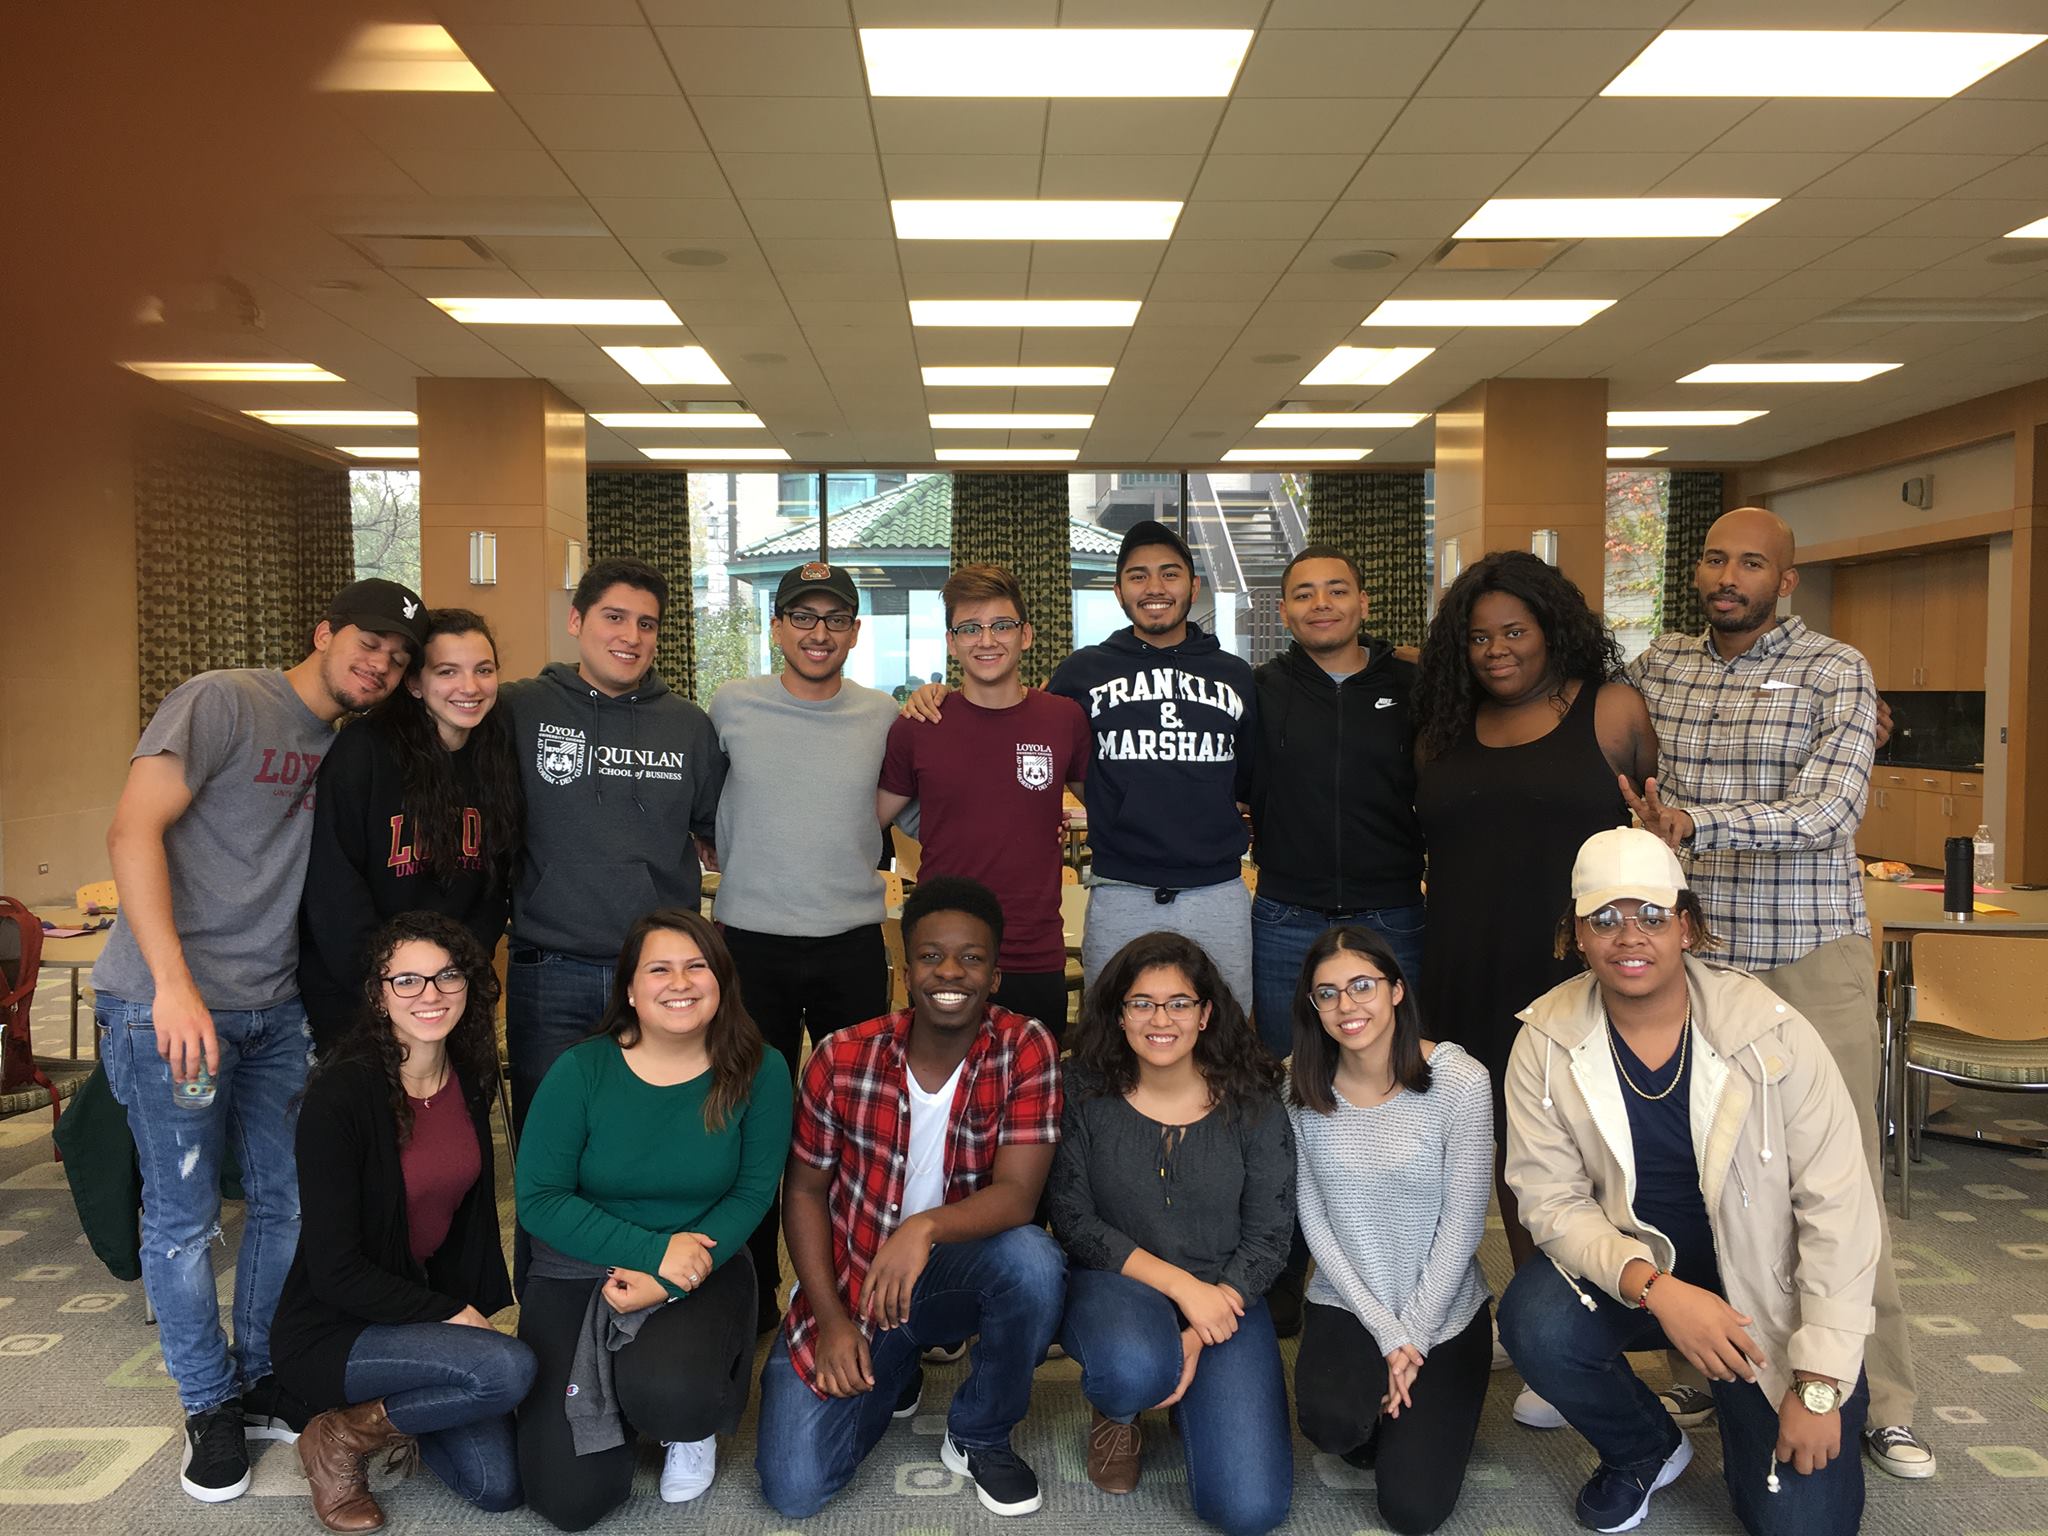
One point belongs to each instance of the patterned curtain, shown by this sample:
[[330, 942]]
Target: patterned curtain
[[1695, 503], [646, 515], [237, 552], [1378, 518], [1020, 522]]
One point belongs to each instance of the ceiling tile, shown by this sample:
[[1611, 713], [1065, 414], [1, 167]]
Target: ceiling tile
[[801, 218], [1648, 127], [1326, 125], [1433, 176], [1549, 62], [1229, 255], [460, 14], [971, 285], [1988, 218], [1442, 125], [1161, 13], [1904, 254], [657, 217], [785, 125], [1339, 63], [1351, 224], [1715, 174], [558, 60], [961, 175], [765, 61], [434, 120], [1549, 174], [1973, 127], [2026, 177], [906, 126], [1764, 253], [965, 256], [1849, 125], [562, 253], [1100, 126], [484, 172], [1831, 216], [1886, 175], [753, 13], [642, 173], [830, 255], [1119, 176], [1362, 14], [840, 285], [832, 176], [1234, 220], [1049, 284], [1581, 13], [610, 122], [1208, 285], [1605, 256], [1096, 255], [1251, 178]]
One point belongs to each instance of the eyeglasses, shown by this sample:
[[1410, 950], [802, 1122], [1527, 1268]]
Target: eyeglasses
[[1649, 918], [970, 629], [1179, 1009], [805, 619], [412, 984], [1360, 989]]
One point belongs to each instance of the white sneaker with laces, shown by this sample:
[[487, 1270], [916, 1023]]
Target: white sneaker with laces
[[1535, 1412], [1896, 1449], [687, 1469]]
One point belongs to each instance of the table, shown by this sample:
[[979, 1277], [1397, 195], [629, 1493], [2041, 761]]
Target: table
[[74, 955]]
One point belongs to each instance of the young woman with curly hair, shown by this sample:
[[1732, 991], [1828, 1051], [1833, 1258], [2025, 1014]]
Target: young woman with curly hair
[[1525, 732], [383, 1328], [1173, 1193]]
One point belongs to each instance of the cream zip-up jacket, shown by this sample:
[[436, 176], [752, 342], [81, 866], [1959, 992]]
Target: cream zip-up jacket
[[1787, 1192]]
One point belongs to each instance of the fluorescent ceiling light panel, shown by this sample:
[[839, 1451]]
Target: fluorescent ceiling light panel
[[1418, 314], [1366, 365], [1681, 418], [560, 311], [681, 421], [1005, 313], [1313, 421], [235, 373], [715, 453], [1684, 62], [1787, 373], [1295, 455], [1017, 378], [336, 418], [1007, 455], [1010, 421], [2038, 230], [668, 365], [1044, 219], [400, 452], [1609, 218], [1052, 61], [395, 56], [1615, 451]]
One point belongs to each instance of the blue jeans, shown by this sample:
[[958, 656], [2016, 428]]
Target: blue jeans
[[262, 1071], [551, 1003], [455, 1388], [1574, 1358], [1233, 1420], [1008, 1288], [1281, 936]]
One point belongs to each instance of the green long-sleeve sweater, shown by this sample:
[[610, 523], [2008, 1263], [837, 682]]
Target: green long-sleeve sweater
[[611, 1167]]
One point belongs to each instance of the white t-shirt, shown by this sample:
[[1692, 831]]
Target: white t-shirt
[[924, 1180]]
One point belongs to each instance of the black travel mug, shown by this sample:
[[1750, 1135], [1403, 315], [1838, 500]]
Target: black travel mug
[[1959, 879]]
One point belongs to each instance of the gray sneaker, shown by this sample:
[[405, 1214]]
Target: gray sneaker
[[1689, 1407]]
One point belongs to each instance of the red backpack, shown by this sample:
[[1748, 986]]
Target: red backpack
[[21, 957]]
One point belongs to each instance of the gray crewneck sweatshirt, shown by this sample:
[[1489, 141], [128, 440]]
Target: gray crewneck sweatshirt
[[798, 843]]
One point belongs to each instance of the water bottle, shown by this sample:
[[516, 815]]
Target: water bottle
[[1984, 855]]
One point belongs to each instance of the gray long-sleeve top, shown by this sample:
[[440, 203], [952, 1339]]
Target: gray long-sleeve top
[[1393, 1204], [1215, 1198]]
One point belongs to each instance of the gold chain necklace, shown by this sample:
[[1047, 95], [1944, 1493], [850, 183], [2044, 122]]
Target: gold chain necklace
[[1685, 1034]]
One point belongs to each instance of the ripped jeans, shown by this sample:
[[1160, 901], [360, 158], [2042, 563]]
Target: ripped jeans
[[261, 1074]]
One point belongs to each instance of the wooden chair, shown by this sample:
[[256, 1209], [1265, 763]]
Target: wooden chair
[[893, 887], [1972, 1015], [98, 894]]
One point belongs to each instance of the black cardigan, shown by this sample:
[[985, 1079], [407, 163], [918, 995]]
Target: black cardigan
[[354, 1266]]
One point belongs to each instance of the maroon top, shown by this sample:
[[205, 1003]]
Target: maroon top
[[989, 783], [440, 1164]]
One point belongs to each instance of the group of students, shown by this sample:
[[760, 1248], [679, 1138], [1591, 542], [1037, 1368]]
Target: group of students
[[922, 1148]]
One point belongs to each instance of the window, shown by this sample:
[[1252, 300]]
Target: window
[[1638, 507], [746, 531], [1100, 508], [1243, 529], [384, 516]]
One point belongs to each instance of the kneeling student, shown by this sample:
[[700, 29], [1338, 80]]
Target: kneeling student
[[922, 1142], [1751, 1241], [1173, 1191], [384, 1322]]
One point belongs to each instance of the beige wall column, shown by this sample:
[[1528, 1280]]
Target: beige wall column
[[1517, 455], [2025, 854], [503, 456]]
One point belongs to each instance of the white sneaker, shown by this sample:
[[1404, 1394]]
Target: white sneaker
[[1535, 1412], [688, 1468], [1899, 1451]]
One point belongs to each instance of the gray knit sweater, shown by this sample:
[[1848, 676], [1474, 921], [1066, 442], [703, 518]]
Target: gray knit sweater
[[1393, 1201]]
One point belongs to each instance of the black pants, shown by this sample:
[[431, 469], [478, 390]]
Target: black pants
[[1339, 1379], [685, 1377], [1040, 995], [794, 986]]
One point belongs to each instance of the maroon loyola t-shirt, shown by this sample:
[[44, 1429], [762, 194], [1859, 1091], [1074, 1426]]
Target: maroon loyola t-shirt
[[988, 784]]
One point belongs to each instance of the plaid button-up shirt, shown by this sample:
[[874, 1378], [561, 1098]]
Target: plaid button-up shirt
[[1770, 754], [853, 1120]]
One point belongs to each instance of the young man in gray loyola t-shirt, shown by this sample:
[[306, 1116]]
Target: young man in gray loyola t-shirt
[[201, 1031], [799, 846]]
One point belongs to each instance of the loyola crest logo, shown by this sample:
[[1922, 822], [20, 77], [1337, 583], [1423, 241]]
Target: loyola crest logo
[[562, 754], [1034, 765]]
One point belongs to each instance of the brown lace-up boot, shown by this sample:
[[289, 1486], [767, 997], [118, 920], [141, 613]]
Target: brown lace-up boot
[[1114, 1452], [334, 1451]]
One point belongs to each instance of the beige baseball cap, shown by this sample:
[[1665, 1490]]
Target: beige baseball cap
[[1624, 864]]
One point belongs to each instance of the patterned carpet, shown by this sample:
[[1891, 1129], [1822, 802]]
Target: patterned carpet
[[88, 1436]]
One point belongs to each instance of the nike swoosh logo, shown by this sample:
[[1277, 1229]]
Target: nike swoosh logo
[[1383, 704]]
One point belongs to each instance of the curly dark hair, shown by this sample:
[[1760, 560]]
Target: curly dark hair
[[1448, 694], [1313, 1067], [1243, 1079], [732, 1039], [472, 1045], [953, 893], [436, 793]]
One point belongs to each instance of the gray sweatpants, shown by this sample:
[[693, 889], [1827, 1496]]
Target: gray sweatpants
[[1217, 917]]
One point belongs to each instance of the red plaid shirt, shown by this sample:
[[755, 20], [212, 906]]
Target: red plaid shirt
[[853, 1120]]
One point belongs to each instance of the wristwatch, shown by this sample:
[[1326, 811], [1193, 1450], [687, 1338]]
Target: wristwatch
[[1820, 1396]]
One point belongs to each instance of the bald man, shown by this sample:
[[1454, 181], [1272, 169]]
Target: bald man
[[1767, 731]]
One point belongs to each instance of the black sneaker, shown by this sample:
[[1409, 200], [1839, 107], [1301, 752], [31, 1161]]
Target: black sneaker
[[1366, 1456], [1614, 1500], [1003, 1480], [269, 1412], [216, 1464], [911, 1395], [1284, 1301]]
